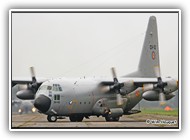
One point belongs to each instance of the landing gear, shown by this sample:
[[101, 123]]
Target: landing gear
[[110, 118], [52, 118], [76, 118]]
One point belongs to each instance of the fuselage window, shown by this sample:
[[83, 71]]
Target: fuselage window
[[60, 89], [56, 97]]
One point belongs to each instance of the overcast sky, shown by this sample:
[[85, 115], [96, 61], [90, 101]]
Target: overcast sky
[[89, 44]]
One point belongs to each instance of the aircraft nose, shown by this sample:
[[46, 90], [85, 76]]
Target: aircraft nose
[[42, 103]]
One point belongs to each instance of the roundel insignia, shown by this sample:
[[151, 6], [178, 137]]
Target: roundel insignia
[[70, 102], [153, 55], [137, 93]]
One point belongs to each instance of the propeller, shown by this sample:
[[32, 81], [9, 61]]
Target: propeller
[[117, 86], [33, 74], [28, 91], [147, 87], [33, 85], [160, 85], [22, 86]]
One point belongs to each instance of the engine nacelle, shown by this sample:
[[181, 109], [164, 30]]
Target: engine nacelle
[[128, 87], [115, 112], [154, 96], [25, 94], [172, 85]]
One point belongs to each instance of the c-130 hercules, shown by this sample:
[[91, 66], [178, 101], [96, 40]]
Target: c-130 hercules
[[107, 97]]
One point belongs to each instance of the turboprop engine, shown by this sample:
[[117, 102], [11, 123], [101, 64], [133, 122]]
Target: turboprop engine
[[26, 94], [170, 85], [28, 91]]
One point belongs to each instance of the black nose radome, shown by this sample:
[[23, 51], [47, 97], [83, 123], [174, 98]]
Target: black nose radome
[[42, 103]]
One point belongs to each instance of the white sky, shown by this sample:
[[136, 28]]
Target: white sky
[[88, 44]]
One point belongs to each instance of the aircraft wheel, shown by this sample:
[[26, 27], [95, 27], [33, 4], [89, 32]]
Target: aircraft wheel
[[80, 118], [110, 119], [76, 118], [116, 119], [52, 118]]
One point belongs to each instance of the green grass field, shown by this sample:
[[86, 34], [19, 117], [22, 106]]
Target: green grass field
[[156, 111]]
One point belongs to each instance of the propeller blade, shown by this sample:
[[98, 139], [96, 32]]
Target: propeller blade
[[33, 86], [147, 87], [33, 74], [119, 99], [157, 71], [104, 89], [117, 86], [114, 74], [22, 86], [162, 98]]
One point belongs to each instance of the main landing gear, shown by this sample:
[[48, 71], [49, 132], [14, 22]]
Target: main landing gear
[[73, 118], [79, 118], [111, 118], [76, 118]]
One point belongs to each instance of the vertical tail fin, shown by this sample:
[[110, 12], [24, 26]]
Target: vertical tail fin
[[149, 60]]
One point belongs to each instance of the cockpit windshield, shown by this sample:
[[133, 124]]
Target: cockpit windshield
[[55, 87], [45, 87]]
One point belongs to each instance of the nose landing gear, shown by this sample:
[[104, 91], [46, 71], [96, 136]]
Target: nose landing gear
[[52, 118]]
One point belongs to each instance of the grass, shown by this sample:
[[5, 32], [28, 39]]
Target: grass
[[156, 111]]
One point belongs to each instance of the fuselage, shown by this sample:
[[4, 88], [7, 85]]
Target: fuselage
[[75, 96], [64, 97]]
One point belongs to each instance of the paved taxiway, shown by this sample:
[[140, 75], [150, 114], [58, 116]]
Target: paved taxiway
[[39, 120]]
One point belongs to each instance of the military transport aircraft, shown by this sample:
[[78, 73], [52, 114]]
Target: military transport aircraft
[[107, 97]]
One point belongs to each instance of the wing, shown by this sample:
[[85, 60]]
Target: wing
[[127, 85], [16, 81], [138, 82]]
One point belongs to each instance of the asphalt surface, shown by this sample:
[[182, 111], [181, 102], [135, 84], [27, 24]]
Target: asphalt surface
[[133, 121]]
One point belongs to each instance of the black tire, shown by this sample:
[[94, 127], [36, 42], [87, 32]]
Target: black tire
[[108, 118], [111, 119], [52, 118], [72, 118], [116, 119], [76, 118]]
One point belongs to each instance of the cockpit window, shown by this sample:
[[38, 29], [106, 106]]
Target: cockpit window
[[49, 87], [60, 89], [57, 87], [45, 87]]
